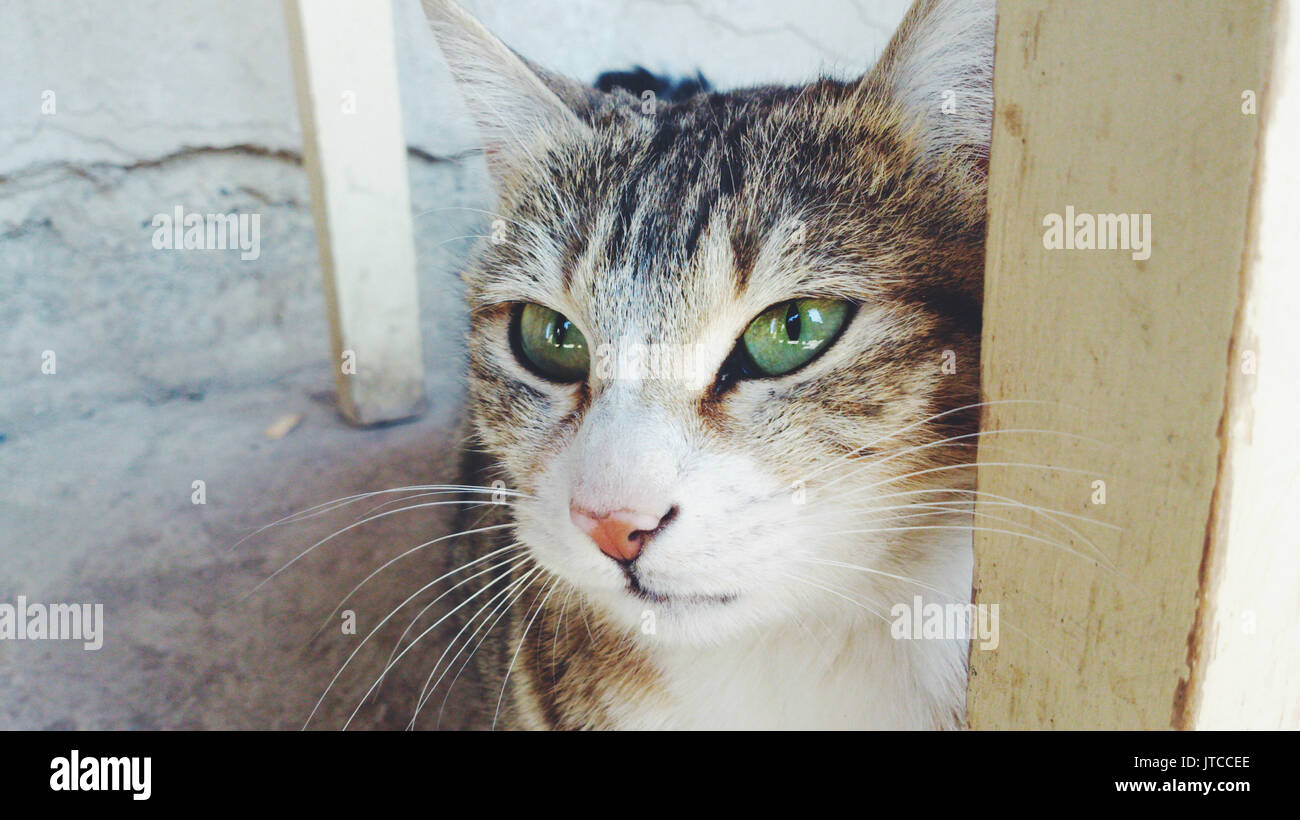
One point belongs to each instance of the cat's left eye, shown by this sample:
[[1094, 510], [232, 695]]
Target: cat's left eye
[[791, 334], [550, 344]]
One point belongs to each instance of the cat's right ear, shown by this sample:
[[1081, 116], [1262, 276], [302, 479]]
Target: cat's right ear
[[512, 101]]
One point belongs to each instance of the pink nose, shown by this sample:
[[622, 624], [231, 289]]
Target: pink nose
[[621, 534]]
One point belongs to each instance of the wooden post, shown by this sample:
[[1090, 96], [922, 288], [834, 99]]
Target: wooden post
[[355, 154], [1138, 108], [1245, 654]]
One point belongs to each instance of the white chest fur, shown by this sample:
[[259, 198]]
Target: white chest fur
[[849, 675]]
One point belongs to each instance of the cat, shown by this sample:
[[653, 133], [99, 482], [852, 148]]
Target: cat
[[723, 542]]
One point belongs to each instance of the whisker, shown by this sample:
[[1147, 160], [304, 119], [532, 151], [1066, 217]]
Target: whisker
[[956, 599], [406, 498], [515, 657], [508, 595], [512, 548], [949, 442], [353, 526], [965, 466], [1049, 514], [376, 629], [1106, 559], [912, 528], [423, 634], [320, 509], [942, 511], [929, 419], [890, 575], [1046, 512], [330, 617], [500, 610], [837, 594], [563, 619]]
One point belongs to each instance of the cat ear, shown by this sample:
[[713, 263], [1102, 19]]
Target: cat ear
[[512, 101], [939, 68]]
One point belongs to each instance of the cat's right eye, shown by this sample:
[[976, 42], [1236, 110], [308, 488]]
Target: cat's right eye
[[549, 344]]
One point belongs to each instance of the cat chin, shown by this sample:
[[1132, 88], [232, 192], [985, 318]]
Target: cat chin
[[661, 615], [687, 620]]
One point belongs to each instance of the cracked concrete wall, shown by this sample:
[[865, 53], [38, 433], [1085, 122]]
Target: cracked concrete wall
[[170, 365]]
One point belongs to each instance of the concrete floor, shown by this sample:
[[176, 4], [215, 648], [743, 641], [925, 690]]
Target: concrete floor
[[169, 369]]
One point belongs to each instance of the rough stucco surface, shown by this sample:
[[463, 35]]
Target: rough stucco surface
[[170, 365]]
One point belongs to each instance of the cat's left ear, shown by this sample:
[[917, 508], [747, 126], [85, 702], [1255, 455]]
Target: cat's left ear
[[512, 101], [938, 68]]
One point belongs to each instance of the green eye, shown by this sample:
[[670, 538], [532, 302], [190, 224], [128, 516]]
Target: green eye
[[551, 344], [788, 335]]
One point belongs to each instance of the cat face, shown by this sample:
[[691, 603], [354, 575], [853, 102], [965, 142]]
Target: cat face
[[723, 347]]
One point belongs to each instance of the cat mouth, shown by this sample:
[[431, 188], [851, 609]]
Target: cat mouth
[[638, 589]]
